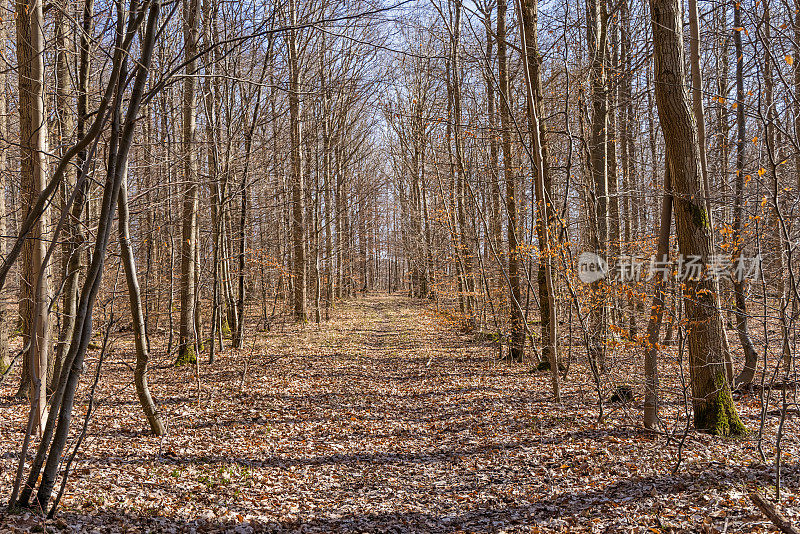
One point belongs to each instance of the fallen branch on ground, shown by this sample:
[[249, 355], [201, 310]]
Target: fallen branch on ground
[[769, 510]]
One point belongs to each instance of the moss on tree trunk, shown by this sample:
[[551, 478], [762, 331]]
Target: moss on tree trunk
[[187, 356], [226, 329], [718, 414]]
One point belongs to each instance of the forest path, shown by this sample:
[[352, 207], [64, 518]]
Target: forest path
[[383, 419]]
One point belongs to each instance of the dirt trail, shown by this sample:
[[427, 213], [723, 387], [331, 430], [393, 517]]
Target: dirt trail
[[385, 419]]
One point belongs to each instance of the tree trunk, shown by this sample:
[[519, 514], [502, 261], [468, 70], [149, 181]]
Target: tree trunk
[[517, 345], [34, 284], [64, 133], [494, 176], [739, 283], [187, 351], [697, 98], [611, 148], [339, 213], [238, 334], [464, 248], [134, 294], [714, 410], [298, 223], [657, 310], [5, 359], [597, 14], [75, 235], [533, 80], [796, 96], [627, 125]]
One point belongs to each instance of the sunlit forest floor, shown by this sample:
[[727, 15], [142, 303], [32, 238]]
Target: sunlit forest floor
[[388, 419]]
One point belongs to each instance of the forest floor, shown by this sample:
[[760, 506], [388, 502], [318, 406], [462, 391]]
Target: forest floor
[[387, 419]]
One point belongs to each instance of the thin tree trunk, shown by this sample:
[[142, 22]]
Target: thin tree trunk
[[628, 154], [238, 334], [32, 132], [697, 98], [597, 13], [612, 136], [796, 96], [742, 329], [134, 294], [187, 351], [75, 233], [517, 347], [461, 219], [218, 181], [723, 128], [776, 242], [5, 359], [64, 132], [494, 176], [297, 186], [329, 214], [657, 310]]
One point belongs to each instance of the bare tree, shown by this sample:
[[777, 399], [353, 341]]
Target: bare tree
[[35, 287], [597, 39], [5, 359], [517, 347], [544, 199], [297, 182], [187, 337], [714, 410]]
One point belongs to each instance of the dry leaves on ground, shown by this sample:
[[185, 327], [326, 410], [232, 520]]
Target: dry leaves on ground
[[386, 420]]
